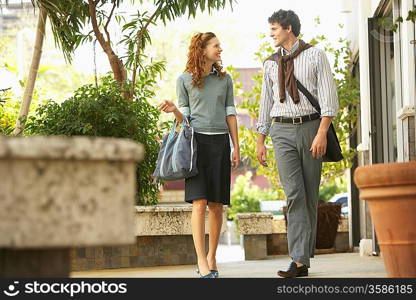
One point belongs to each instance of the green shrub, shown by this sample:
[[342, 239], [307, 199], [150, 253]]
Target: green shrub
[[246, 197], [8, 112], [9, 109], [104, 112], [327, 191]]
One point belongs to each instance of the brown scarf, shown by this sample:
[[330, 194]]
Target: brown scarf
[[285, 72]]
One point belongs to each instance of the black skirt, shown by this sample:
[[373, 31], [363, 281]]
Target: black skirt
[[214, 170]]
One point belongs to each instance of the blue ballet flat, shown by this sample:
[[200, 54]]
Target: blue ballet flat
[[209, 275]]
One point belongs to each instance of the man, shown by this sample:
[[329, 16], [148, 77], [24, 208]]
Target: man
[[298, 132]]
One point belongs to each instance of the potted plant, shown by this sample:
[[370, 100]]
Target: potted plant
[[328, 219]]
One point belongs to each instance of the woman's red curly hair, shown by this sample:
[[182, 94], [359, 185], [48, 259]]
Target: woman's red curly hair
[[196, 59]]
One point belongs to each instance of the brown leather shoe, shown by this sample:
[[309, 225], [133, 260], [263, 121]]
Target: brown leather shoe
[[294, 271]]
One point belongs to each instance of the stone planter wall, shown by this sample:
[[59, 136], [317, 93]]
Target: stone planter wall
[[60, 192], [255, 227], [264, 235], [163, 237]]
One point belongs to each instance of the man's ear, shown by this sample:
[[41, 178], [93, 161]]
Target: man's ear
[[289, 28]]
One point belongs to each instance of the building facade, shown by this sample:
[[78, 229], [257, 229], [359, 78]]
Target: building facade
[[385, 64]]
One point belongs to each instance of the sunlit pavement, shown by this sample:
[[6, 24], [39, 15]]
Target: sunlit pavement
[[231, 264]]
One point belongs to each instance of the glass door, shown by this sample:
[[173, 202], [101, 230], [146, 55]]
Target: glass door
[[382, 95]]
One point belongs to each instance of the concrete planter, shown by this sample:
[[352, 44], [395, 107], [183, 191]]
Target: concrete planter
[[265, 235], [62, 192], [390, 190], [163, 238], [254, 227]]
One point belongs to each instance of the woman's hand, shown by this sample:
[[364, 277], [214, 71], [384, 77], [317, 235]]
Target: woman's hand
[[167, 106], [235, 158]]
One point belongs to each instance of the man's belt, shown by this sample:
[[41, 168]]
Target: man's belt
[[297, 120]]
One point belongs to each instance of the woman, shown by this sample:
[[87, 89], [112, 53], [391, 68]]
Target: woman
[[205, 96]]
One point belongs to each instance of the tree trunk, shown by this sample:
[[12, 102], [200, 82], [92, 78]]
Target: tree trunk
[[117, 67], [33, 71]]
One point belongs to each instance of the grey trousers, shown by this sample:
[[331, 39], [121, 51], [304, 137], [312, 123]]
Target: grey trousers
[[300, 175]]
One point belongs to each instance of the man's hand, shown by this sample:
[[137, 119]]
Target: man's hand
[[319, 144], [262, 154]]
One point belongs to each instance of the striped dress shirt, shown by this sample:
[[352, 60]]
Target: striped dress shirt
[[312, 69]]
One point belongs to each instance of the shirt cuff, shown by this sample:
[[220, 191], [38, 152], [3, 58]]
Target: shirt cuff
[[230, 110], [185, 110], [329, 112], [263, 128]]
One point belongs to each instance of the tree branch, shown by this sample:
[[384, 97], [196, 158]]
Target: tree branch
[[116, 64], [93, 13], [108, 22], [141, 32], [139, 40]]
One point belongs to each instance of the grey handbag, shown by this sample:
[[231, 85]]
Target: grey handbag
[[177, 155]]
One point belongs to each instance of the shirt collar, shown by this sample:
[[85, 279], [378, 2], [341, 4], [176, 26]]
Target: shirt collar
[[293, 49], [213, 71]]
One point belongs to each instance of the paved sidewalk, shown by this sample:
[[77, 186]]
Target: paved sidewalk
[[349, 265]]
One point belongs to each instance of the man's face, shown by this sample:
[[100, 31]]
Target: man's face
[[213, 49], [279, 34]]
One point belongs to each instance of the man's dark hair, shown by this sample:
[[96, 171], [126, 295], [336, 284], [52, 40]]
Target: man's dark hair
[[286, 18]]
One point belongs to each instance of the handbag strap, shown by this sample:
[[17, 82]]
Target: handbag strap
[[185, 122], [172, 131]]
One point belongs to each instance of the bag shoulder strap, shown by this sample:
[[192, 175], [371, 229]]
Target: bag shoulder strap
[[308, 95]]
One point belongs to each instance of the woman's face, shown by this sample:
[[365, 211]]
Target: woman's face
[[213, 50]]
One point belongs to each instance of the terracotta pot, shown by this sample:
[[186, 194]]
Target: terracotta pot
[[390, 190]]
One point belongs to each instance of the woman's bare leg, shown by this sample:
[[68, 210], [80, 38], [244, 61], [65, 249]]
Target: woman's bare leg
[[214, 225], [199, 207]]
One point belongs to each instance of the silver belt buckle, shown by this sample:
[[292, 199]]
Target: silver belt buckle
[[295, 123]]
